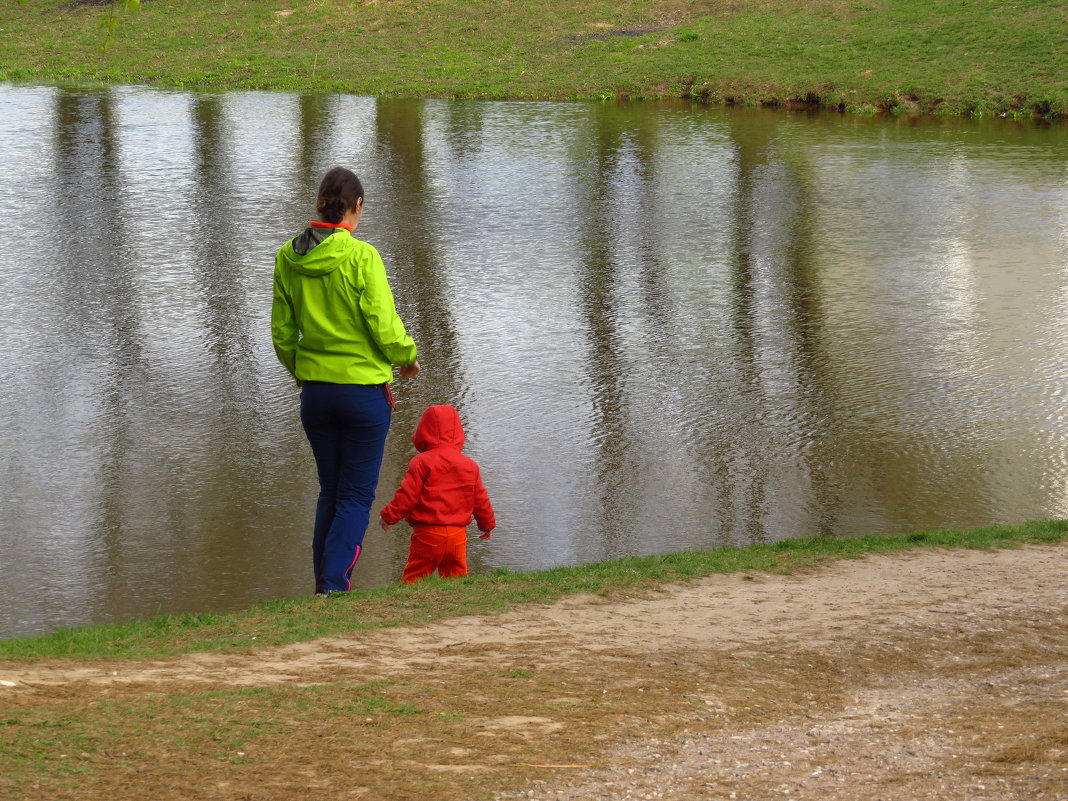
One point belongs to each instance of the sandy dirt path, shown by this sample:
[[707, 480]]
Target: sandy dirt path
[[932, 651], [869, 597]]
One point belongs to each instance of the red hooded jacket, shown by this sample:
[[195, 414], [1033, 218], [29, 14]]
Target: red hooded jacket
[[442, 486]]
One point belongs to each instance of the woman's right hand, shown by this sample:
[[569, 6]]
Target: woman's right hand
[[410, 370]]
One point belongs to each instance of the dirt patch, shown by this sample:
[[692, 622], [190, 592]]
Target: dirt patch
[[73, 4], [618, 33], [919, 675]]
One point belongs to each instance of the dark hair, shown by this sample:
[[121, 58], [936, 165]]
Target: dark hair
[[338, 193]]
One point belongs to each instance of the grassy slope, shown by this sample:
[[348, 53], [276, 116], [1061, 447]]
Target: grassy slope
[[281, 622], [978, 56], [388, 738]]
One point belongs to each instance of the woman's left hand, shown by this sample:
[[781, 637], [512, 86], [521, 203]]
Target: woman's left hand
[[410, 370]]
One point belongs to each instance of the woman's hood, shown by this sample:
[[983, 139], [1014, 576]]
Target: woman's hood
[[317, 251]]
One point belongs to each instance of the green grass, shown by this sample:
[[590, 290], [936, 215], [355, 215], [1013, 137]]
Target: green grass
[[65, 741], [282, 622], [941, 56]]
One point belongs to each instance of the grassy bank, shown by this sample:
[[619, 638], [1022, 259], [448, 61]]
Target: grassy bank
[[282, 622], [935, 56], [971, 662]]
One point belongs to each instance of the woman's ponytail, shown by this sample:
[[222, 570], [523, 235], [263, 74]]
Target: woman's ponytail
[[338, 192]]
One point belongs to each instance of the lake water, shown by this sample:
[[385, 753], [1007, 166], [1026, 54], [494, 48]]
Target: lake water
[[665, 327]]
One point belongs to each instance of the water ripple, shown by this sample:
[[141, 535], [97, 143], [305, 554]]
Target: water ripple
[[664, 328]]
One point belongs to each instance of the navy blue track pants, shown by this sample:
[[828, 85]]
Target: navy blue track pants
[[346, 425]]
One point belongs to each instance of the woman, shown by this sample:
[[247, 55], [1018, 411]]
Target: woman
[[335, 328]]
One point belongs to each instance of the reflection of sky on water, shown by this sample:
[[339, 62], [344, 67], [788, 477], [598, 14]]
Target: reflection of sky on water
[[503, 282], [665, 328], [954, 386]]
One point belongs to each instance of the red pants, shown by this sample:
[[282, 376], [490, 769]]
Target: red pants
[[441, 548]]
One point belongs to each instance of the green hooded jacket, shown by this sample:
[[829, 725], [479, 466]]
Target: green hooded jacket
[[333, 317]]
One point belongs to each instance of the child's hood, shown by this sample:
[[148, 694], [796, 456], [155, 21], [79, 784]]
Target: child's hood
[[439, 427]]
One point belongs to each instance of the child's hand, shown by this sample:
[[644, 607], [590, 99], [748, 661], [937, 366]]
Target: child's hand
[[384, 524], [485, 535]]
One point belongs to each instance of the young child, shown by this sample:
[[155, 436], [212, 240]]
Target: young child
[[440, 492]]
